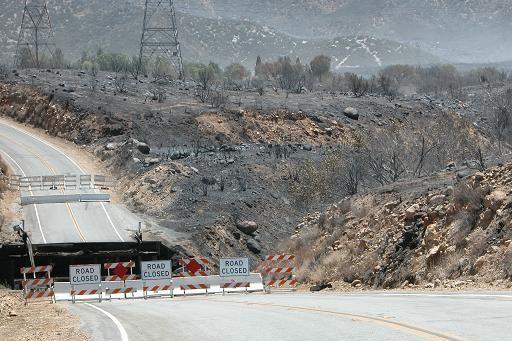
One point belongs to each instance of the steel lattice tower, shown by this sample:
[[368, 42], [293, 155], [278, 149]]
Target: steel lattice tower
[[36, 33], [160, 34]]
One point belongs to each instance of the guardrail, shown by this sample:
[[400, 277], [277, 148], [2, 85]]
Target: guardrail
[[64, 198]]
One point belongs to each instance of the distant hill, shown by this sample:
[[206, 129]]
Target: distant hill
[[115, 26], [459, 30]]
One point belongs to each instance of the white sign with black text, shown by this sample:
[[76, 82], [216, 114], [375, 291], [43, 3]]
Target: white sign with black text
[[160, 269], [85, 274], [234, 267]]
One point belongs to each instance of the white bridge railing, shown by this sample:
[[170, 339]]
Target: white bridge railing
[[59, 182]]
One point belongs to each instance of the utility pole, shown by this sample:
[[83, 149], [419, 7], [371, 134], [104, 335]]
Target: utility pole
[[160, 35], [36, 34]]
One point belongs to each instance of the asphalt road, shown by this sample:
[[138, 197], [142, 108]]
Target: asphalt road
[[29, 155], [379, 316]]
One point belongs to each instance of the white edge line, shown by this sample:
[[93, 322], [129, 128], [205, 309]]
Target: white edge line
[[35, 206], [110, 221], [122, 331], [73, 162]]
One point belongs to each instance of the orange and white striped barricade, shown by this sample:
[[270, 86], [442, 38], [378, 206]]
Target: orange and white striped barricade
[[37, 287], [278, 272], [120, 272], [194, 267], [194, 283], [156, 277], [85, 280], [234, 273]]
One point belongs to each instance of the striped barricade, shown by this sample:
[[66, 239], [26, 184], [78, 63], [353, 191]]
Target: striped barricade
[[37, 287], [194, 283], [278, 271], [118, 272], [157, 287], [195, 266], [34, 294], [85, 290]]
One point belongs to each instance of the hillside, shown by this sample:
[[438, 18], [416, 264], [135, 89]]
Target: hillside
[[451, 230], [462, 31], [80, 26]]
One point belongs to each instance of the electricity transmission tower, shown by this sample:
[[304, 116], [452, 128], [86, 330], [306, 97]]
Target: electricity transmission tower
[[36, 35], [160, 35]]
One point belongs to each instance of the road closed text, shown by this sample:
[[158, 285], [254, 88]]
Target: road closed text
[[156, 270], [234, 267], [85, 274]]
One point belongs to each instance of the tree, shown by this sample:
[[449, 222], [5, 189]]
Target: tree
[[501, 118], [358, 85], [320, 66], [236, 71], [258, 67]]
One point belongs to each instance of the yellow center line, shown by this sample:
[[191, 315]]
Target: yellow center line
[[52, 170], [400, 326]]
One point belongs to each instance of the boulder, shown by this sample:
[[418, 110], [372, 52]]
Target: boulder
[[437, 199], [320, 287], [410, 213], [351, 113], [494, 200], [431, 235], [150, 161], [479, 263], [111, 146], [141, 146], [247, 227], [356, 283]]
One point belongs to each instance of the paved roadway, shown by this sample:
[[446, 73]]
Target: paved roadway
[[29, 155], [377, 316]]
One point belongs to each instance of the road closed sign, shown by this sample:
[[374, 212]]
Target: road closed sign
[[85, 274], [234, 267], [160, 269]]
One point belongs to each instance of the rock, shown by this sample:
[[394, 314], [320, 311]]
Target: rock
[[111, 146], [152, 181], [451, 166], [429, 286], [230, 161], [437, 199], [437, 283], [479, 176], [494, 200], [150, 161], [479, 263], [391, 205], [320, 287], [411, 211], [433, 252], [136, 160], [356, 282], [307, 147], [351, 113], [431, 235], [507, 242], [195, 170], [254, 246], [13, 313], [141, 146], [247, 227], [448, 191]]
